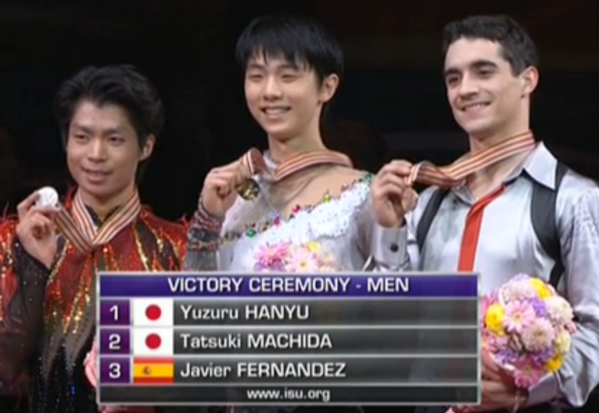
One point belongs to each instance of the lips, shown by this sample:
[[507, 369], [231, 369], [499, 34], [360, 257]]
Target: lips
[[92, 172], [95, 176], [471, 107], [275, 110]]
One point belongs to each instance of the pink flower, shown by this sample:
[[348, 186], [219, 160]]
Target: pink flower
[[302, 261], [494, 343], [90, 364], [271, 256], [526, 373], [518, 314], [538, 335], [570, 327]]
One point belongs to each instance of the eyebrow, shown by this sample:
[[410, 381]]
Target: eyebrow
[[477, 64], [109, 131], [284, 66]]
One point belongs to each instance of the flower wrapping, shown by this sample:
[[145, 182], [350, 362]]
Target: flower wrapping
[[287, 257], [527, 328]]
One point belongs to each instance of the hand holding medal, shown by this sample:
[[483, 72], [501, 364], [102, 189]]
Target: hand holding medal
[[223, 184], [36, 229]]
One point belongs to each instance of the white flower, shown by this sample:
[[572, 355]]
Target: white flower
[[560, 311]]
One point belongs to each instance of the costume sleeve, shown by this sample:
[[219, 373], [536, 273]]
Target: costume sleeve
[[203, 242], [23, 290]]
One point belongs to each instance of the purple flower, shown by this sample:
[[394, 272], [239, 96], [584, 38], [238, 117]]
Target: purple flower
[[539, 306], [543, 357], [506, 356]]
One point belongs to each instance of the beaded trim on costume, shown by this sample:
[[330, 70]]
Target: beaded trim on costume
[[251, 230]]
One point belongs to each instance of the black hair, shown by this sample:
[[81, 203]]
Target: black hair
[[120, 85], [517, 47], [296, 38]]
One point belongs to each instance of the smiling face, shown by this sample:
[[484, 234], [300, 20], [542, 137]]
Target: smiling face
[[486, 97], [286, 98], [103, 152]]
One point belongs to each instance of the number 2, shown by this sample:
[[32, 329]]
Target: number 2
[[114, 342]]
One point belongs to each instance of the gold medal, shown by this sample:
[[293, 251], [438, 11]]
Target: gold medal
[[249, 190]]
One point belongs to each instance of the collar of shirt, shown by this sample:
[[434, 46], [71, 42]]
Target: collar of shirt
[[539, 165]]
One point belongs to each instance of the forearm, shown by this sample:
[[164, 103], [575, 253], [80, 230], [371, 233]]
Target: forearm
[[578, 376], [203, 242], [23, 315]]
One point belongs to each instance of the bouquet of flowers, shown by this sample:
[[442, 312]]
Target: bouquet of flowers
[[287, 257], [527, 329]]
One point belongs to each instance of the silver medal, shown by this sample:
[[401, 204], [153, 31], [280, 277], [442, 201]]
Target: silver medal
[[48, 197]]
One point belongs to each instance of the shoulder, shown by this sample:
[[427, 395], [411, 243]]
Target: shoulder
[[8, 228], [576, 187], [577, 200], [174, 232], [577, 191]]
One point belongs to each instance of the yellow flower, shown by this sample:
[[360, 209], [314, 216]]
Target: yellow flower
[[494, 318], [555, 363], [541, 288], [562, 342], [312, 246]]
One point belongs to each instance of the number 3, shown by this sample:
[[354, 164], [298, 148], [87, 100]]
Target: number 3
[[115, 371]]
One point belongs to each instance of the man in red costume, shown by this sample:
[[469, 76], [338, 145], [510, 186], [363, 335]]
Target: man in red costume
[[110, 118]]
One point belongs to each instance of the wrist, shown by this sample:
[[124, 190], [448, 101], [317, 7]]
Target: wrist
[[520, 400], [209, 213]]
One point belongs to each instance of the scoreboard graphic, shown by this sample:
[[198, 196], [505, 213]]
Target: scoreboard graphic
[[288, 339]]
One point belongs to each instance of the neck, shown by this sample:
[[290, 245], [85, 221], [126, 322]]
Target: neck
[[102, 206], [488, 178], [281, 150], [488, 138]]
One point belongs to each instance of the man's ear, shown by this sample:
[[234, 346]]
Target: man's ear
[[329, 87], [148, 147], [530, 80]]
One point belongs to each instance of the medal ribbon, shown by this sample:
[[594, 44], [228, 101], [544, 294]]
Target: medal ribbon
[[81, 231], [454, 175], [253, 163]]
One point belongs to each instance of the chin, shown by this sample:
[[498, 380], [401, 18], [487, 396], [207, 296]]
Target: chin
[[477, 128], [279, 134]]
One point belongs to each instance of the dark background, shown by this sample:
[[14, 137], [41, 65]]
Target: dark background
[[391, 104]]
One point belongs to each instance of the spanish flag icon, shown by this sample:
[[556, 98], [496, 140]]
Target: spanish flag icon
[[153, 371]]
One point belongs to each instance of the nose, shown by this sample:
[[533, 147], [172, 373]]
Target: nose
[[468, 86], [272, 89], [97, 150]]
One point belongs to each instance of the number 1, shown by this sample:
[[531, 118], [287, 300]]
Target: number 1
[[115, 310]]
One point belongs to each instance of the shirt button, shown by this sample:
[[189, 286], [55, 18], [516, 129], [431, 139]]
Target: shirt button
[[394, 247]]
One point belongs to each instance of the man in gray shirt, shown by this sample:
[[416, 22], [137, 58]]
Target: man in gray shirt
[[487, 224]]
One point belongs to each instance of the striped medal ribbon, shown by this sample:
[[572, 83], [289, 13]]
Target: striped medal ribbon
[[253, 164], [455, 174], [81, 231]]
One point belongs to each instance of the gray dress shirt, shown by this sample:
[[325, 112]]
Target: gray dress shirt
[[507, 245]]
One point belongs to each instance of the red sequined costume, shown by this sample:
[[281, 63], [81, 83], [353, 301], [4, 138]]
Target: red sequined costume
[[63, 302]]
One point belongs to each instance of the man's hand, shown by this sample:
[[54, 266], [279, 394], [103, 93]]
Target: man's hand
[[36, 230], [392, 195], [220, 188], [498, 395]]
